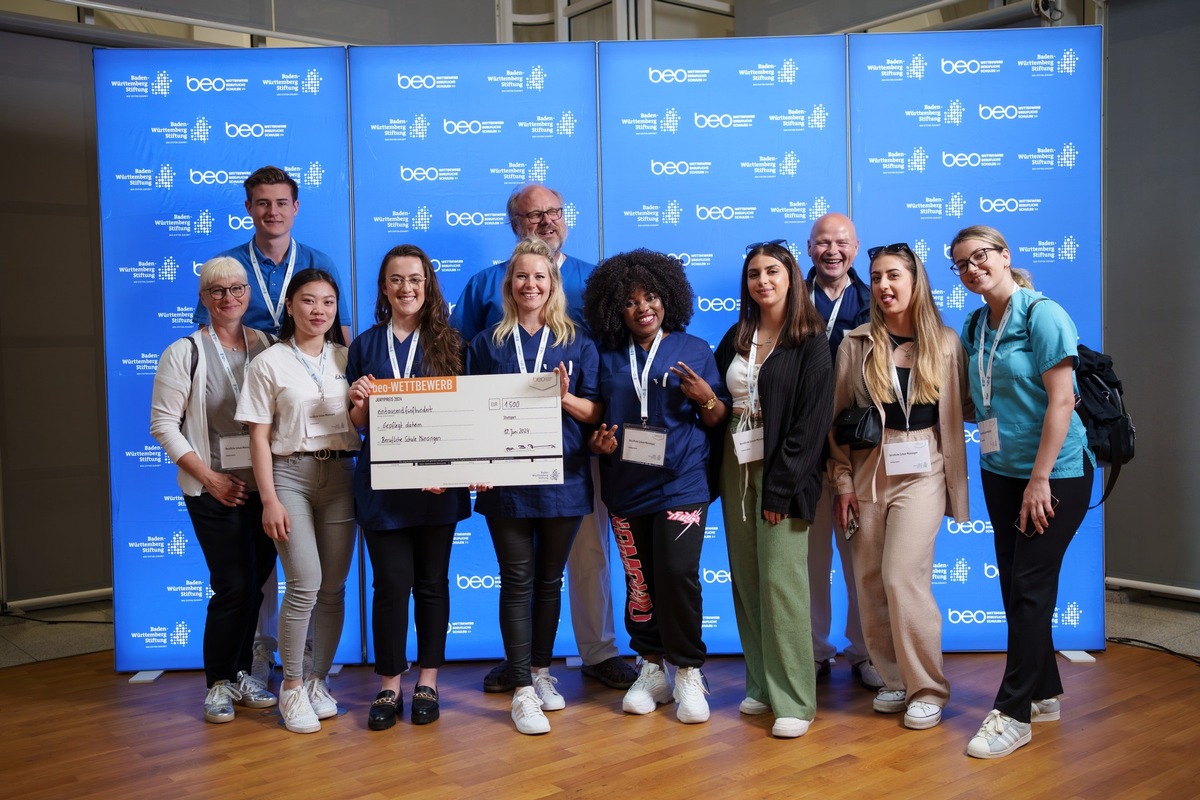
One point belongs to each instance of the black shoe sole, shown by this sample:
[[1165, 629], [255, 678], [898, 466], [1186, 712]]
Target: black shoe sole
[[425, 717], [377, 724], [595, 674]]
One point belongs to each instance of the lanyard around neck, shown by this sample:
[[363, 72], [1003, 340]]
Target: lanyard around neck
[[237, 388], [276, 309], [642, 385], [985, 375], [319, 380], [541, 352], [412, 352], [837, 304]]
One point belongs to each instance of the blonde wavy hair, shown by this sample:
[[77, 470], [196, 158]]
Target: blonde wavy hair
[[931, 355], [555, 310]]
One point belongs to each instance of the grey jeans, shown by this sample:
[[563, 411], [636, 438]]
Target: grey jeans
[[319, 499]]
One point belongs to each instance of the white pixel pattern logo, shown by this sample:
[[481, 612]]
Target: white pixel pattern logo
[[794, 249], [422, 218], [168, 269], [201, 130], [1068, 249], [1071, 615], [570, 214], [959, 572], [537, 173], [819, 117], [820, 208], [788, 164], [161, 85], [165, 178], [672, 213], [916, 67], [204, 222], [954, 114], [420, 126], [670, 121], [314, 174], [1066, 63], [180, 635], [916, 162], [921, 248], [311, 83], [537, 78], [787, 73], [956, 205], [958, 298], [1066, 156], [178, 544], [566, 124], [208, 592]]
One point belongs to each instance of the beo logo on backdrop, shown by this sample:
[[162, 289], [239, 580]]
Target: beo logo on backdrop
[[682, 258], [971, 526], [244, 131], [477, 581], [999, 205], [208, 176], [960, 67], [418, 173], [668, 167], [713, 120], [462, 126], [667, 75], [990, 570], [416, 81], [974, 617], [997, 112], [715, 575], [961, 159], [205, 84], [718, 303], [464, 219], [714, 212], [237, 223]]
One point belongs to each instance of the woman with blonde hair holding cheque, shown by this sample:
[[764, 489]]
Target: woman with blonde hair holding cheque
[[908, 367], [409, 532], [532, 527], [302, 447], [778, 370]]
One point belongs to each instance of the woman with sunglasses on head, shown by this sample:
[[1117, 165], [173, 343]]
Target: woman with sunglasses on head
[[1035, 467], [533, 527], [302, 448], [779, 372], [196, 390], [907, 366], [409, 532]]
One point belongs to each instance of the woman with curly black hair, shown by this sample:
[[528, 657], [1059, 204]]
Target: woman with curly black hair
[[662, 393]]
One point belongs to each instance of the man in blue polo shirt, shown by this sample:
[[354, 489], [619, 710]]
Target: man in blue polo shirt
[[272, 256], [844, 302], [536, 210]]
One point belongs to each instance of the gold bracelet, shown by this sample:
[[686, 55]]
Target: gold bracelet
[[709, 404]]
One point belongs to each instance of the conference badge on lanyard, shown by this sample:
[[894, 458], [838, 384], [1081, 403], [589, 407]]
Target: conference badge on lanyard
[[748, 439], [989, 429], [643, 444]]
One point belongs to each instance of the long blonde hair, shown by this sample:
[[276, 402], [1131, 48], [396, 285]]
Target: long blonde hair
[[930, 365], [555, 310]]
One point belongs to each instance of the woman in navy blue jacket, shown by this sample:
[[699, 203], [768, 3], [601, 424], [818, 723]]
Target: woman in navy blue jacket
[[663, 402], [409, 532], [532, 528]]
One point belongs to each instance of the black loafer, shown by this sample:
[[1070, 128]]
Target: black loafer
[[424, 705], [384, 710]]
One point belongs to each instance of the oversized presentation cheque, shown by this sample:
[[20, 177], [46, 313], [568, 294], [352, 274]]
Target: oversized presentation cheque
[[504, 430]]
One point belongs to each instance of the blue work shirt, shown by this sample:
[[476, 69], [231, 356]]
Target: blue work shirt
[[1030, 345], [574, 497], [631, 489], [392, 509], [481, 304], [257, 315]]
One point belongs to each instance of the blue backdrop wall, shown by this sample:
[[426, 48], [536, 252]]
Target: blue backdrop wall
[[691, 147]]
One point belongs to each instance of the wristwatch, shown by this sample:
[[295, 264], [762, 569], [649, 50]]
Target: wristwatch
[[710, 403]]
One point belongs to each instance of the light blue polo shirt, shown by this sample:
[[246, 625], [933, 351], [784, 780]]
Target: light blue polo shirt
[[1029, 345]]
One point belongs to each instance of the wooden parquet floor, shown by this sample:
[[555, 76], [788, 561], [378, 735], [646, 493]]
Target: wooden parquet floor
[[73, 728]]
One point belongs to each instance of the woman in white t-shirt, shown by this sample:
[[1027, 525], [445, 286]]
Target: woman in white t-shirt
[[302, 447]]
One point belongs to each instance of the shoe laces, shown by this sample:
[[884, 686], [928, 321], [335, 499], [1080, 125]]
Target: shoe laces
[[690, 682], [222, 690], [919, 708], [528, 703], [994, 724], [648, 676], [248, 684], [544, 682], [317, 690]]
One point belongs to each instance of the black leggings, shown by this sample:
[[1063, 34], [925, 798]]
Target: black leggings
[[532, 555], [1028, 569]]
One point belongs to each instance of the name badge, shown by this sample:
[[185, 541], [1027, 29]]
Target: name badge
[[748, 445], [644, 445], [989, 436], [235, 451], [325, 418], [906, 458]]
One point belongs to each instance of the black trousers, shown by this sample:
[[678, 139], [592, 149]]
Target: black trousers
[[240, 556], [532, 555], [663, 606], [1028, 568], [410, 561]]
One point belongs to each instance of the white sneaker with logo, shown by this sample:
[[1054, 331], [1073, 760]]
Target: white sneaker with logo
[[323, 704], [297, 711], [651, 689], [527, 712], [543, 684], [689, 694], [998, 736], [1048, 710]]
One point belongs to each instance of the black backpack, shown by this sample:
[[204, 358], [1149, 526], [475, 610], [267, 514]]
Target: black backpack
[[1099, 405]]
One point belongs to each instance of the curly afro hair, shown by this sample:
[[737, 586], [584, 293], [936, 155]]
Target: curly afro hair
[[609, 286]]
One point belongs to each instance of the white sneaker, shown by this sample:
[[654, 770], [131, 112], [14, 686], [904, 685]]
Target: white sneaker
[[254, 694], [998, 736], [1048, 710], [527, 712], [889, 701], [651, 689], [752, 707], [323, 704], [218, 703], [867, 675], [262, 665], [543, 684], [689, 694], [790, 727], [297, 711], [921, 715]]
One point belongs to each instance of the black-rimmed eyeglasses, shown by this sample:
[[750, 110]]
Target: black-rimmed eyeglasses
[[893, 249], [976, 259], [778, 242], [547, 213], [237, 290]]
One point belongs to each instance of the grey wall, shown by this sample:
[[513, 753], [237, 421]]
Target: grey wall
[[1152, 265]]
